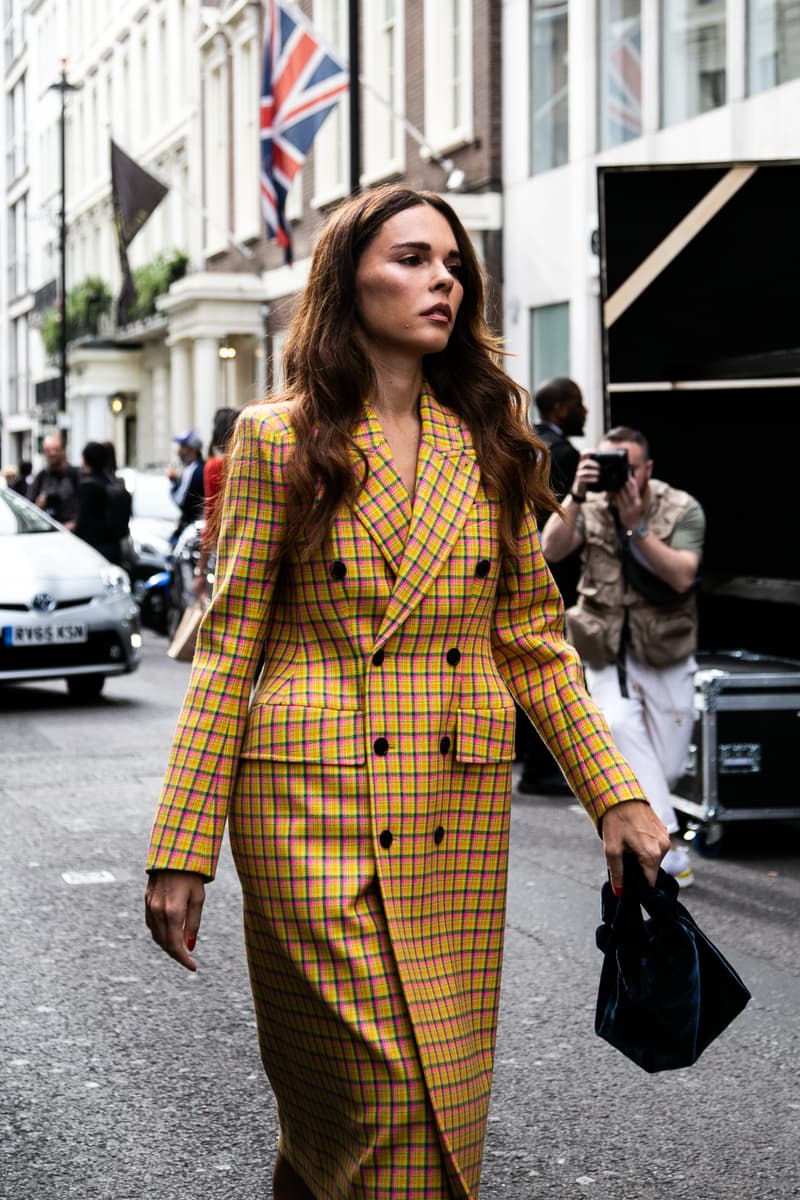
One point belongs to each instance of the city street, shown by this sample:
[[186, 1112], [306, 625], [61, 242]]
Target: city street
[[125, 1077]]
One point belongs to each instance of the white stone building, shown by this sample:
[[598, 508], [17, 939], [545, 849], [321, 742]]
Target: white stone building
[[145, 74], [176, 83], [591, 82]]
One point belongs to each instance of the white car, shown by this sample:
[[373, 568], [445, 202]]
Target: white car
[[65, 611]]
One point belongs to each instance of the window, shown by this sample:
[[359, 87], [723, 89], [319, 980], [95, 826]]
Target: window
[[17, 248], [293, 208], [549, 343], [216, 158], [693, 47], [245, 137], [549, 76], [143, 97], [773, 43], [448, 72], [18, 375], [620, 71], [16, 146], [12, 253], [384, 89], [331, 148]]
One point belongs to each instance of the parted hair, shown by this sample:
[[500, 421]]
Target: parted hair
[[329, 375]]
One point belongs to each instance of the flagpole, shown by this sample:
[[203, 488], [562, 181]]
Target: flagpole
[[63, 86], [355, 100]]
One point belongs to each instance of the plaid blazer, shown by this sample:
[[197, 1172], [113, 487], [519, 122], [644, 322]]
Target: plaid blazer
[[392, 662]]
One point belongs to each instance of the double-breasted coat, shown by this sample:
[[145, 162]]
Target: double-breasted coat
[[366, 782]]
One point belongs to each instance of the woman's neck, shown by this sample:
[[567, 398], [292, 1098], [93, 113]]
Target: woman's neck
[[398, 388]]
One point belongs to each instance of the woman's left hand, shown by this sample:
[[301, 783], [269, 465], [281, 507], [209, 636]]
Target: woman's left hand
[[632, 825]]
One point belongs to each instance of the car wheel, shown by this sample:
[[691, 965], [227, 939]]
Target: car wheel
[[85, 687]]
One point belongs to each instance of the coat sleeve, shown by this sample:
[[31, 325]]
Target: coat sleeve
[[201, 775], [545, 676]]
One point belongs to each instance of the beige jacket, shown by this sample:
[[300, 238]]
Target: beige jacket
[[659, 636]]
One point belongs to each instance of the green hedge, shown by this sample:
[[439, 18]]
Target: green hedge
[[154, 279], [86, 303]]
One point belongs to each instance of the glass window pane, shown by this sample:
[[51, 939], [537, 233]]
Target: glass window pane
[[620, 74], [549, 343], [693, 47], [773, 42], [549, 109]]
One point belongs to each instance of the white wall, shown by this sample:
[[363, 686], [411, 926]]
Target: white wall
[[548, 218]]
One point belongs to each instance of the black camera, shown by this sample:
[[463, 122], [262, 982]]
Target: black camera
[[614, 471]]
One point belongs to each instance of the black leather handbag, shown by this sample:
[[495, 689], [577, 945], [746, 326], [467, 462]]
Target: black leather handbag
[[665, 990]]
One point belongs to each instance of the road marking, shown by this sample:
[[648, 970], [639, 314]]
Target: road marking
[[76, 878]]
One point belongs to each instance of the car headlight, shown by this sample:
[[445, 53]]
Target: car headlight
[[115, 581]]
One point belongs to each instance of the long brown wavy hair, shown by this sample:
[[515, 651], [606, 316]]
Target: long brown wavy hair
[[329, 376]]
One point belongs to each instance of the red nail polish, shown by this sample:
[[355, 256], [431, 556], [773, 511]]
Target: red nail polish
[[191, 943], [616, 890]]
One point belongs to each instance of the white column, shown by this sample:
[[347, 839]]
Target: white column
[[651, 66], [158, 432], [206, 386], [99, 425], [77, 431], [180, 407], [737, 51]]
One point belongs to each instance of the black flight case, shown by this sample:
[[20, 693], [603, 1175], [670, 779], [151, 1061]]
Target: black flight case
[[743, 761]]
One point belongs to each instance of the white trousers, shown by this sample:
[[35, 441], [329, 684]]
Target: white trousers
[[651, 726]]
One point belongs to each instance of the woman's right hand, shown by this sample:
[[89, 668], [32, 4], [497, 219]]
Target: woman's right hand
[[173, 902]]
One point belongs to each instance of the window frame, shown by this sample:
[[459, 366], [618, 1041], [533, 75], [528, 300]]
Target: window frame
[[441, 139]]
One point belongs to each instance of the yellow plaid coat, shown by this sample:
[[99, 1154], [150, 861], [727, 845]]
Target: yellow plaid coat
[[366, 782]]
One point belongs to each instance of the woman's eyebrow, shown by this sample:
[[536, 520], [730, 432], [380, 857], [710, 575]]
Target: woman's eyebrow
[[423, 246]]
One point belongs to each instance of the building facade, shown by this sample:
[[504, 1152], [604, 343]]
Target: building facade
[[596, 82], [176, 84]]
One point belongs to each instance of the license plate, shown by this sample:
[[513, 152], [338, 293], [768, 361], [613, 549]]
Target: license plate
[[52, 634]]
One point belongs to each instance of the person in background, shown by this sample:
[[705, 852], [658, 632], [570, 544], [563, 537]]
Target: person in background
[[94, 521], [120, 505], [11, 477], [563, 415], [224, 421], [24, 477], [55, 487], [186, 481], [378, 545], [635, 620]]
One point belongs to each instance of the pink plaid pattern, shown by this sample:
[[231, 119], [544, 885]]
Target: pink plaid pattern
[[366, 783]]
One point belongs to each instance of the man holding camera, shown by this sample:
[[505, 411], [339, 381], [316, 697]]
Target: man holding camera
[[635, 622]]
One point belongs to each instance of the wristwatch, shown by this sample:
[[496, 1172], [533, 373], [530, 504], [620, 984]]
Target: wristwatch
[[640, 530]]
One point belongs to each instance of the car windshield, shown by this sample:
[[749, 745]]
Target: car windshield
[[18, 516], [151, 496]]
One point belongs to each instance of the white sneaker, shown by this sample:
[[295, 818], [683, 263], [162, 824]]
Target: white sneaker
[[677, 864]]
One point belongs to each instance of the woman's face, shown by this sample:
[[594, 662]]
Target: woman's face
[[408, 287]]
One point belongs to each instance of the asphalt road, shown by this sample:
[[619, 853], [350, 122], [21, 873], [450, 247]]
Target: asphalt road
[[124, 1077]]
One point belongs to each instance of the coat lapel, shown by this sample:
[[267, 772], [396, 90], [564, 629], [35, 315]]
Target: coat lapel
[[382, 505], [447, 483]]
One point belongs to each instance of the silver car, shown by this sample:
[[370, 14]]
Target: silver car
[[64, 610]]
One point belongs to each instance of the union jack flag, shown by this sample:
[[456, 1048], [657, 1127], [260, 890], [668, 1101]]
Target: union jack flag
[[301, 82]]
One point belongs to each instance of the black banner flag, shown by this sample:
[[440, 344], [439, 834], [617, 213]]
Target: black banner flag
[[135, 195]]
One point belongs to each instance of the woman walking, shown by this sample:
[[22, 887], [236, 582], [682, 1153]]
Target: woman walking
[[377, 539]]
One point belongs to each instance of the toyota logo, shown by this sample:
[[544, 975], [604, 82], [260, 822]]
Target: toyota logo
[[43, 602]]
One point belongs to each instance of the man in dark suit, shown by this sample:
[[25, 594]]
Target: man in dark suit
[[562, 415]]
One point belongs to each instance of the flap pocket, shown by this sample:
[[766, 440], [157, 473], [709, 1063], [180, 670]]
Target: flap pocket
[[485, 735], [295, 733]]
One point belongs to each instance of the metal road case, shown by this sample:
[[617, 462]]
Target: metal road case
[[743, 761]]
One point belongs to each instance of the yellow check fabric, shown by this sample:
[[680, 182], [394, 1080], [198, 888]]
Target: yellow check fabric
[[366, 783]]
